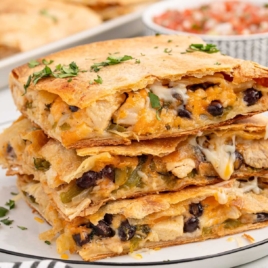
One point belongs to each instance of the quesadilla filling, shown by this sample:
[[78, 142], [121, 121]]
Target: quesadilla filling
[[79, 182], [167, 219], [162, 108]]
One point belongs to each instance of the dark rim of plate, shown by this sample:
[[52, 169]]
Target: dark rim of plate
[[228, 252]]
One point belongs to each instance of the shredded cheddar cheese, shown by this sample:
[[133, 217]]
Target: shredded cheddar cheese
[[39, 220]]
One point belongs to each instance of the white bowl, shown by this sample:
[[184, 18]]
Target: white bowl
[[250, 47]]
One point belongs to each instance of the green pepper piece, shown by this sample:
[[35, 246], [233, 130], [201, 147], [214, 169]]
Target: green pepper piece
[[116, 127], [41, 164], [134, 242], [232, 224], [121, 175], [66, 197]]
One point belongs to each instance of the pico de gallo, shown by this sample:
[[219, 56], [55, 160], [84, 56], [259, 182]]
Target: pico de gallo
[[218, 18]]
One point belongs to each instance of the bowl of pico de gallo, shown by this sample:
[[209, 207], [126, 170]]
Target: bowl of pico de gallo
[[239, 28]]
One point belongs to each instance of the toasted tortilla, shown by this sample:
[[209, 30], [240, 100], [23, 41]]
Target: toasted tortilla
[[236, 151], [23, 20], [160, 220], [80, 112]]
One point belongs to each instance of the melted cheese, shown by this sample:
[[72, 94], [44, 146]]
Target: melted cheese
[[221, 156], [266, 132], [250, 186], [166, 94]]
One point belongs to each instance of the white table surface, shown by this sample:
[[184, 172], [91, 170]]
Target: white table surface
[[8, 113]]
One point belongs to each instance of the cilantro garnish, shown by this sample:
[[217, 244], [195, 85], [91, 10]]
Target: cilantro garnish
[[155, 103], [3, 212], [10, 204], [98, 80], [47, 242], [22, 228], [208, 48], [137, 61], [217, 63], [157, 34], [14, 193], [167, 50], [33, 63], [61, 71], [111, 60], [45, 62], [45, 12], [6, 221]]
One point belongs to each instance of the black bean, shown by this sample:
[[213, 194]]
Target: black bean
[[262, 217], [108, 172], [204, 86], [196, 209], [73, 109], [184, 113], [191, 225], [88, 179], [108, 218], [103, 229], [126, 231], [79, 241], [215, 108], [10, 151], [177, 96], [251, 96], [239, 160]]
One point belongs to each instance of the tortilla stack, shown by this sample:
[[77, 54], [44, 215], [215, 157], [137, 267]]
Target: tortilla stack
[[153, 221], [28, 24], [80, 185], [117, 91]]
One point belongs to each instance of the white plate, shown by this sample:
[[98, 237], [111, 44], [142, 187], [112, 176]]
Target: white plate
[[212, 253], [124, 26]]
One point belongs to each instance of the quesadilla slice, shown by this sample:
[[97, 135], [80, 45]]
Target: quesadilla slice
[[153, 221], [22, 21], [80, 185], [113, 92]]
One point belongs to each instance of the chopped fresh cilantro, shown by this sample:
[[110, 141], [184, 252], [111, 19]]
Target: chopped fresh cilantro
[[41, 164], [155, 47], [27, 84], [155, 103], [111, 60], [10, 204], [98, 80], [69, 80], [3, 212], [167, 50], [45, 62], [22, 228], [33, 63], [208, 48], [157, 34], [47, 242], [169, 41], [14, 193], [217, 63], [45, 12], [6, 221], [137, 61]]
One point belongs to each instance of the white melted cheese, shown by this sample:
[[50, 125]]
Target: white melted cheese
[[221, 156], [166, 94], [250, 186]]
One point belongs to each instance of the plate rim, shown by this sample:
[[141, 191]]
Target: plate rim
[[187, 260]]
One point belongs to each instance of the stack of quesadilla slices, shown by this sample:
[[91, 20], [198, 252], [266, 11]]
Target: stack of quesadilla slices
[[140, 143]]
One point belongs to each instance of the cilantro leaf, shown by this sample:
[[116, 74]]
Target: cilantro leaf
[[45, 62], [22, 228], [99, 80], [27, 85], [7, 221], [10, 204], [14, 193], [167, 50], [3, 212], [45, 12], [111, 60], [48, 242], [208, 48], [154, 100], [33, 63]]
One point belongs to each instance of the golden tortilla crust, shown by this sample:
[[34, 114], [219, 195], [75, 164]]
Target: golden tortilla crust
[[127, 76]]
